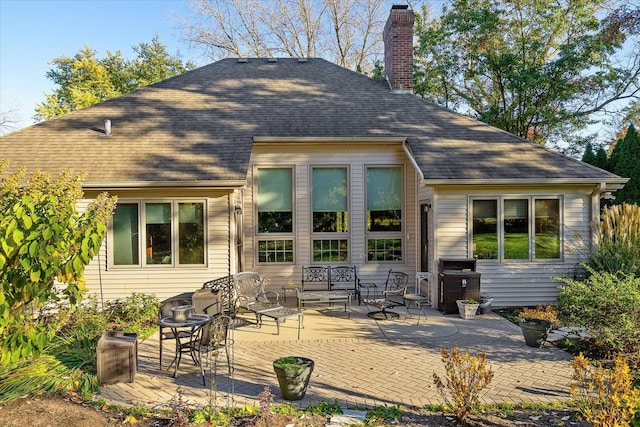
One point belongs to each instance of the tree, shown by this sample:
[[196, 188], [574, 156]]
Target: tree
[[347, 32], [7, 121], [539, 69], [43, 241], [84, 80], [627, 165], [596, 158]]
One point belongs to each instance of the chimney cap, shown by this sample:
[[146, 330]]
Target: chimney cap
[[400, 6]]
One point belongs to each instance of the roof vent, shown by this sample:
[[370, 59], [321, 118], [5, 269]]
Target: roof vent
[[242, 60], [272, 60], [303, 60], [107, 127]]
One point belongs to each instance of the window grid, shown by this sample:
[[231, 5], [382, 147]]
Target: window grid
[[330, 250], [275, 251]]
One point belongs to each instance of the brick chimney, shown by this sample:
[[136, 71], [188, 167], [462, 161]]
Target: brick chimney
[[398, 49]]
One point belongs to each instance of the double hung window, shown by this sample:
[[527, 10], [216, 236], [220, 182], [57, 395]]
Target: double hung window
[[275, 215], [159, 233], [384, 214], [330, 214]]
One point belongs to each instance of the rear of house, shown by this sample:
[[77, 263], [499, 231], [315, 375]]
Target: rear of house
[[269, 165]]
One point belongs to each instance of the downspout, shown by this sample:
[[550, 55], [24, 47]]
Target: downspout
[[412, 160], [595, 211], [417, 213]]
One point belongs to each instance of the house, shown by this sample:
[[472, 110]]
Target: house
[[272, 164]]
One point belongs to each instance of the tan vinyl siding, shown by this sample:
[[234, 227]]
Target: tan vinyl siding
[[356, 158], [515, 283], [112, 283]]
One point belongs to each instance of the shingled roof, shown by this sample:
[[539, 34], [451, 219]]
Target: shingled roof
[[198, 129]]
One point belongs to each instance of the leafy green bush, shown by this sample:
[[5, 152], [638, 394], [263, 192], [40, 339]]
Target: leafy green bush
[[43, 240], [618, 240], [71, 353], [608, 305]]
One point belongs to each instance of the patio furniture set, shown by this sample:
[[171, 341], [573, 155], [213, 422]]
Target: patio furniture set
[[220, 300]]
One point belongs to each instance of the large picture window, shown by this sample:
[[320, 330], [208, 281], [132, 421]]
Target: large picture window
[[173, 233], [516, 229], [384, 214], [275, 215]]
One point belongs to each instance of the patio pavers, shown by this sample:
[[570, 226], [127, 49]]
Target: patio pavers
[[359, 361]]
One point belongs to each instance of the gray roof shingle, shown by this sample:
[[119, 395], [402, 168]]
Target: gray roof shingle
[[199, 127]]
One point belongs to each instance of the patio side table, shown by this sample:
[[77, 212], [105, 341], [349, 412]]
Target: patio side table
[[187, 341], [419, 300], [280, 314]]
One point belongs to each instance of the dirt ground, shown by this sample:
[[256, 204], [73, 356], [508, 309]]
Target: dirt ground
[[60, 412]]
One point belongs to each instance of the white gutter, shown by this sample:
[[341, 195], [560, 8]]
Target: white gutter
[[222, 184], [407, 151], [612, 184], [283, 140]]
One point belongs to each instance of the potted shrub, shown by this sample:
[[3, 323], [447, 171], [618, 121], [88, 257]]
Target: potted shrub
[[536, 324], [293, 374], [467, 308]]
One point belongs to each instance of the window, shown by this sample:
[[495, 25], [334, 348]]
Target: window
[[516, 229], [330, 214], [384, 214], [275, 215], [330, 250], [166, 228], [547, 228], [485, 229]]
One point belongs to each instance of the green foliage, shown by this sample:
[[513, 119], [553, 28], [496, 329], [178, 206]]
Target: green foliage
[[43, 241], [608, 305], [537, 69], [383, 415], [47, 375], [324, 408], [137, 313], [617, 240], [84, 80], [628, 166], [291, 362], [466, 376]]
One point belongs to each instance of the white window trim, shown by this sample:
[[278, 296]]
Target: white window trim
[[316, 235], [142, 234], [381, 235], [531, 198], [258, 237]]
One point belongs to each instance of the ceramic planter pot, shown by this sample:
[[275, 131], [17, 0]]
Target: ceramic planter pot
[[293, 376], [535, 331], [467, 310]]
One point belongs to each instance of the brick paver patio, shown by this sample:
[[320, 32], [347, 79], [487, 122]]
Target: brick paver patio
[[359, 361]]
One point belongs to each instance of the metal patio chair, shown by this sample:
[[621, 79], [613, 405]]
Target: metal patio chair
[[394, 289]]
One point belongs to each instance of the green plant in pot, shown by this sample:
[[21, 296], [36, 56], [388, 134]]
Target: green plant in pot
[[536, 324], [293, 374]]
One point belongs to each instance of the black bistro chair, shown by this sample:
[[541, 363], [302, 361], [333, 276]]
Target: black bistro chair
[[394, 288]]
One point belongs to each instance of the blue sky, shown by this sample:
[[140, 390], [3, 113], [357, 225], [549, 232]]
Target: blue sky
[[33, 32]]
